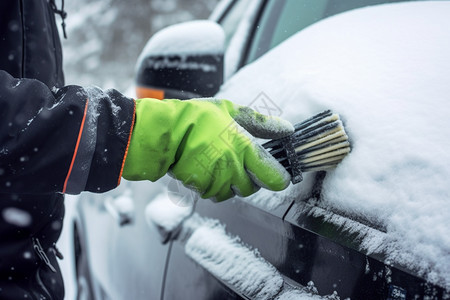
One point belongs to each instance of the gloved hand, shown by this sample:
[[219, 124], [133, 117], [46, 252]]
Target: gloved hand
[[204, 144]]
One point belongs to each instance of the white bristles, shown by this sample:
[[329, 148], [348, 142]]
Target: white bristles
[[327, 120], [318, 143], [322, 144], [320, 167], [326, 155], [325, 161], [324, 137], [317, 120], [340, 143]]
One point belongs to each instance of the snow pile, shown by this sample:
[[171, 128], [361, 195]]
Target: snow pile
[[227, 259], [386, 71]]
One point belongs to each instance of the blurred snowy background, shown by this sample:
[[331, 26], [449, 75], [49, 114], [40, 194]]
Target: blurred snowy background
[[104, 40]]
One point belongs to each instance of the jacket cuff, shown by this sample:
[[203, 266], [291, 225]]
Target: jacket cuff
[[128, 143], [102, 144]]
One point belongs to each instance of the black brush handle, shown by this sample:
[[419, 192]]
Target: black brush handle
[[294, 163], [283, 151], [312, 120]]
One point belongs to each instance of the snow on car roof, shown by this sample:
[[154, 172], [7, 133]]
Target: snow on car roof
[[386, 71]]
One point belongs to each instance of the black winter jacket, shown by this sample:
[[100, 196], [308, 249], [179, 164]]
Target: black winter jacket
[[54, 139]]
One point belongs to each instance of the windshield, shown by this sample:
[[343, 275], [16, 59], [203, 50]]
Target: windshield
[[282, 18]]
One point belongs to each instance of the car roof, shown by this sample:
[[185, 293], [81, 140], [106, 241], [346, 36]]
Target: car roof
[[385, 69]]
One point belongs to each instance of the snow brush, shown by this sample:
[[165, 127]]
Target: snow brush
[[317, 144]]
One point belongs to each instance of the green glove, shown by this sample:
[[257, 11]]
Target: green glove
[[204, 144]]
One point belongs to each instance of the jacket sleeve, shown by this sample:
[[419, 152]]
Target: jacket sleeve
[[69, 140]]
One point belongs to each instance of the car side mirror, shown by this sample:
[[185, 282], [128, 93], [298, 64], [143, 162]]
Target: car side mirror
[[182, 61]]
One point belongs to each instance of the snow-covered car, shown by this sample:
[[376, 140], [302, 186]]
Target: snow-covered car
[[376, 227]]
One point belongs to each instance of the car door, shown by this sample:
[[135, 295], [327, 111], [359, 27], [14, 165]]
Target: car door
[[255, 220], [309, 254], [254, 236], [126, 258]]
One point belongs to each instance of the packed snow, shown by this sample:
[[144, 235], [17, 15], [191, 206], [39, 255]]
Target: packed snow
[[227, 259], [386, 71]]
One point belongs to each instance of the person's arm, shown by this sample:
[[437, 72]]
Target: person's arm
[[70, 140]]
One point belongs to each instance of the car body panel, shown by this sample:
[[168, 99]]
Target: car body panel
[[129, 260], [371, 67], [331, 257]]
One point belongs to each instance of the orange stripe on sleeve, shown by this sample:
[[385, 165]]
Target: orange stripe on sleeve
[[128, 144], [76, 146]]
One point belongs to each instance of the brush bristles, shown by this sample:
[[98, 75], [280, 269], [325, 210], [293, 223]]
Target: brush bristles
[[320, 143]]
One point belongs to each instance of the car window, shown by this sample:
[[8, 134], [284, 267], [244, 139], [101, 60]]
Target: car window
[[283, 18], [231, 19]]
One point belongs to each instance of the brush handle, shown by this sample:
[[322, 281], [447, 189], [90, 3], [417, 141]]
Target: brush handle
[[291, 155], [283, 151]]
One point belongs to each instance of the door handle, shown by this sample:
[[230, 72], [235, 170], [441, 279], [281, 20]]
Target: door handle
[[167, 217], [121, 208]]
